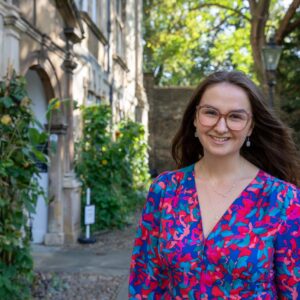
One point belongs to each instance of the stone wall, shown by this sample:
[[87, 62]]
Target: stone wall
[[166, 107]]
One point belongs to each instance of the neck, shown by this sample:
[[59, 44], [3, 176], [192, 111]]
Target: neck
[[220, 168]]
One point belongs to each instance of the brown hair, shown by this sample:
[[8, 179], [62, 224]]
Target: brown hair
[[272, 147]]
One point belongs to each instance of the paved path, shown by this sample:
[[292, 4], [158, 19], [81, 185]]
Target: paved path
[[102, 267], [79, 260], [84, 261]]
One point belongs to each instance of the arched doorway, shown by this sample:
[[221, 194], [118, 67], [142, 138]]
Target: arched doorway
[[36, 92]]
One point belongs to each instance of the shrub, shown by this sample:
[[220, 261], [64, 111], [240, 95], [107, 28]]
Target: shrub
[[115, 169], [20, 138]]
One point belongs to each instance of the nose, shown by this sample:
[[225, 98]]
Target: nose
[[221, 126]]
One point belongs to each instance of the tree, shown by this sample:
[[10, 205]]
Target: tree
[[282, 22], [188, 39], [288, 82]]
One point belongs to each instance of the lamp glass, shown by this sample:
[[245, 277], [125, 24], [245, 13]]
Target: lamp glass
[[271, 56]]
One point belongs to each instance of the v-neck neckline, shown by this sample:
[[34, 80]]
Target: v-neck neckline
[[229, 210]]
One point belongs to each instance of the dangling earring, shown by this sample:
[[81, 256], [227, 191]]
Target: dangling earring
[[248, 142], [196, 134]]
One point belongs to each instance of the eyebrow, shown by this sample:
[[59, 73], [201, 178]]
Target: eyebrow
[[234, 110]]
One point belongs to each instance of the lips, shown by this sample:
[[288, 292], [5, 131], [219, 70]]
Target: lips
[[219, 140]]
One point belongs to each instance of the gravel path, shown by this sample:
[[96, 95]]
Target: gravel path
[[77, 286], [68, 286]]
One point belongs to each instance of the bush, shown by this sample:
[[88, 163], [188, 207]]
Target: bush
[[20, 140], [116, 169]]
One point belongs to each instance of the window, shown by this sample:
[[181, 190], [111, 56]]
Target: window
[[94, 11], [103, 16], [90, 7], [120, 28], [84, 5]]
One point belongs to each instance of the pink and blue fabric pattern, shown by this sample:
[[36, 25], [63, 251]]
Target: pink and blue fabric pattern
[[253, 252]]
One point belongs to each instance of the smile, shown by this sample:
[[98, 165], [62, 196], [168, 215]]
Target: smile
[[219, 139]]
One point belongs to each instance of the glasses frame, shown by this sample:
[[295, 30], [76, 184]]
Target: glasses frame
[[249, 115]]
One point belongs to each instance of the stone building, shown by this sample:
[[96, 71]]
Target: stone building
[[166, 107], [86, 50]]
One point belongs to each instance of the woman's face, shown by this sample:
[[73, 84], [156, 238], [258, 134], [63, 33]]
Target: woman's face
[[226, 137]]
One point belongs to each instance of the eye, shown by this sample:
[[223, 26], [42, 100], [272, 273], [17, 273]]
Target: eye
[[210, 112], [237, 116]]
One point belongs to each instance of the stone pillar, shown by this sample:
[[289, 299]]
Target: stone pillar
[[72, 207], [56, 235], [72, 187], [142, 108]]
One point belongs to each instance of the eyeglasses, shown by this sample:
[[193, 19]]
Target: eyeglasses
[[235, 120]]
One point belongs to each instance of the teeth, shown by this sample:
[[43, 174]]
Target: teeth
[[220, 139]]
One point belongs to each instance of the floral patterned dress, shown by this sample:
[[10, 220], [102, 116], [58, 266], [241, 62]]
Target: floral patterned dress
[[253, 252]]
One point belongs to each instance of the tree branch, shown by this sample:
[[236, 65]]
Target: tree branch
[[236, 11], [252, 5], [216, 29], [285, 27], [260, 16], [292, 26]]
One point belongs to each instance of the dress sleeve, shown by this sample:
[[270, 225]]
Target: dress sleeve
[[147, 275], [287, 248]]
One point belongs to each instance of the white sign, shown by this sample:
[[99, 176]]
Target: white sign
[[89, 214]]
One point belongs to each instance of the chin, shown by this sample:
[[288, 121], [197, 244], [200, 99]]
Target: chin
[[214, 151]]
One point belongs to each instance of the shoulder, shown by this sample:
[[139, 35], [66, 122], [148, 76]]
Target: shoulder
[[275, 184], [286, 194], [170, 181], [173, 178]]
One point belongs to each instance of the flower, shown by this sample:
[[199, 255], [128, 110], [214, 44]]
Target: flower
[[26, 165], [25, 102], [55, 103], [104, 162], [6, 120]]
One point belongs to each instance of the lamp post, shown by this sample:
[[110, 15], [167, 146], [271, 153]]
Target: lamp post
[[270, 56]]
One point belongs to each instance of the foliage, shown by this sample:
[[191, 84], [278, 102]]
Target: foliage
[[185, 40], [115, 169], [20, 139], [288, 83]]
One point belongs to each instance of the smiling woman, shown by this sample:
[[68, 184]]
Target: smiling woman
[[223, 119], [225, 224]]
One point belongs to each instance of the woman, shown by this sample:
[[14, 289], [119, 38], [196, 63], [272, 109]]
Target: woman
[[226, 224]]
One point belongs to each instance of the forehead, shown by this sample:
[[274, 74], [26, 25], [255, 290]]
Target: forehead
[[226, 96]]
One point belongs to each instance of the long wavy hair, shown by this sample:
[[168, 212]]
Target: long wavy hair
[[272, 147]]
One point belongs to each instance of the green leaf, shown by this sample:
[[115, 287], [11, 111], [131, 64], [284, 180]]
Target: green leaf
[[6, 101], [34, 136]]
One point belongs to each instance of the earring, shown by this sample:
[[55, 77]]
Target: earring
[[248, 142], [196, 134]]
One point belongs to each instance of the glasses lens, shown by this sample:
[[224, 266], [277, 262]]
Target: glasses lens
[[237, 120], [208, 116]]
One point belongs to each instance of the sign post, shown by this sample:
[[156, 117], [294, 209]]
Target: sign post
[[89, 218]]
